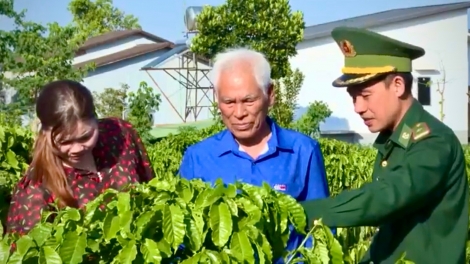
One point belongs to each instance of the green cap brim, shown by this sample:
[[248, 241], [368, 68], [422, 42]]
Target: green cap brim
[[346, 80]]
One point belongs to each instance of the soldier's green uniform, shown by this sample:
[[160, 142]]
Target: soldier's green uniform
[[419, 194]]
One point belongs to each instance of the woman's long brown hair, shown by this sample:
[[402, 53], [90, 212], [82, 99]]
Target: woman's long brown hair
[[59, 106]]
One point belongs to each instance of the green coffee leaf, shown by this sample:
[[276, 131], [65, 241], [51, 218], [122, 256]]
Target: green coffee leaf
[[221, 223]]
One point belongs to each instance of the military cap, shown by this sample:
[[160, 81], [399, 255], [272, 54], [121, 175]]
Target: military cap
[[368, 55]]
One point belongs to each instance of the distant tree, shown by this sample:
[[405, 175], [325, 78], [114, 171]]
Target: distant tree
[[287, 90], [6, 38], [111, 102], [7, 43], [142, 104], [309, 122], [34, 54], [93, 18], [268, 26]]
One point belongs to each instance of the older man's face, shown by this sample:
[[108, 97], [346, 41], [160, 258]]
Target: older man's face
[[241, 101]]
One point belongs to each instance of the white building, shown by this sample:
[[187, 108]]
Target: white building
[[130, 57], [134, 56], [441, 30]]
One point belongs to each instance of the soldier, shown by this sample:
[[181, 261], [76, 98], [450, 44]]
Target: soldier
[[419, 194]]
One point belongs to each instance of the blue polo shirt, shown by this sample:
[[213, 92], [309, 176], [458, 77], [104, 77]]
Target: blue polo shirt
[[292, 163]]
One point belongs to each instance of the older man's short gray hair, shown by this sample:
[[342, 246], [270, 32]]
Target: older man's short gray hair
[[259, 65]]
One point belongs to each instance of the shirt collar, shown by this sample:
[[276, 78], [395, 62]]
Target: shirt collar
[[401, 136], [279, 139]]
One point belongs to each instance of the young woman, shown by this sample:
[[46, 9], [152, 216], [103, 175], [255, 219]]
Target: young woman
[[76, 156]]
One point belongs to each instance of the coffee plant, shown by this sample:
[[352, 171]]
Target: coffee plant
[[173, 220], [236, 223], [15, 148]]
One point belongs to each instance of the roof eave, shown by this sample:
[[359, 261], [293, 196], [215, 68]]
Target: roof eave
[[375, 23]]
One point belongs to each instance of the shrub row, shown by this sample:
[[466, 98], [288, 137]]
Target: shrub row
[[221, 224]]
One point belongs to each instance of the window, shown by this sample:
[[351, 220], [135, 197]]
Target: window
[[424, 90]]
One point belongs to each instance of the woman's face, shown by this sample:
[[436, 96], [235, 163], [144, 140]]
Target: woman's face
[[73, 147]]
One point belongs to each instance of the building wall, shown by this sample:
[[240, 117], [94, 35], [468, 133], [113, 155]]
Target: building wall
[[446, 51], [172, 90], [468, 56]]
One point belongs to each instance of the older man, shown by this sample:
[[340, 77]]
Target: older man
[[253, 148], [419, 196]]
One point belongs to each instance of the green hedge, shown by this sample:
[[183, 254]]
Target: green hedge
[[218, 224]]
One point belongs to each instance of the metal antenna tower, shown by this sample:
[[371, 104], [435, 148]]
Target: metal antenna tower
[[191, 73]]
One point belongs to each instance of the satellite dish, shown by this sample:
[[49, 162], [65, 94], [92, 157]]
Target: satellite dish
[[190, 17]]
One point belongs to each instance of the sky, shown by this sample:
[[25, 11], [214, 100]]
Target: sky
[[165, 18]]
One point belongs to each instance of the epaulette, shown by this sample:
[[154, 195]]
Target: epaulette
[[420, 131]]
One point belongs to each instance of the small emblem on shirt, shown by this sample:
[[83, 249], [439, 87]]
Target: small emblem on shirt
[[280, 187]]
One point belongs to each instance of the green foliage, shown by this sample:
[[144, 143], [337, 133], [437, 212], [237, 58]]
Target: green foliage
[[166, 155], [286, 90], [15, 150], [309, 122], [148, 224], [142, 105], [93, 18], [268, 26], [10, 116], [37, 55], [347, 166], [139, 105], [111, 102], [33, 54], [7, 39]]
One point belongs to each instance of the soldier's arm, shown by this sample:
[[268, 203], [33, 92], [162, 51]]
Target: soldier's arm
[[426, 167]]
